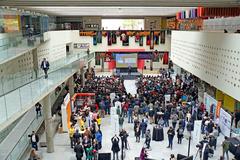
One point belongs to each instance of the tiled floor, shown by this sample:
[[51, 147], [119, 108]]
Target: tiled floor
[[158, 149]]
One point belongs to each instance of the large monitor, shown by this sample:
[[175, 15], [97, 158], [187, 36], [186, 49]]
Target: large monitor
[[124, 60]]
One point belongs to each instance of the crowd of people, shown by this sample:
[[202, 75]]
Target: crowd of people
[[151, 106]]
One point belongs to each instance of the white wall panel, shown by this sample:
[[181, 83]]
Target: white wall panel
[[213, 57]]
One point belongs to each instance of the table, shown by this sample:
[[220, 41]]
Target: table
[[157, 134], [234, 142]]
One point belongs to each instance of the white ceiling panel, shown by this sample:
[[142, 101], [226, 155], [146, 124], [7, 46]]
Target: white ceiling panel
[[108, 11]]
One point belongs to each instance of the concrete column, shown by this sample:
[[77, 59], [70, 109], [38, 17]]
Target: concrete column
[[82, 77], [71, 86], [89, 65], [48, 123]]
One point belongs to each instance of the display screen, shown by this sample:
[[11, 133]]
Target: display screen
[[124, 60]]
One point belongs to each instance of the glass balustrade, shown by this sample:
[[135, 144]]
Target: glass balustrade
[[22, 98], [13, 45], [13, 81]]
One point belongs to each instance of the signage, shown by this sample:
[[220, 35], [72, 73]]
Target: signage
[[81, 45]]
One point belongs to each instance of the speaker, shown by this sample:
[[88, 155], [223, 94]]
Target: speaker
[[104, 156]]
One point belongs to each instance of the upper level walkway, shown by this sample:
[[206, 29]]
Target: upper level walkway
[[12, 46], [20, 100]]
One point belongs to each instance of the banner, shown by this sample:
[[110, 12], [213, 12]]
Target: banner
[[196, 134], [162, 35], [210, 104], [81, 45], [99, 37], [225, 122], [109, 38], [152, 40]]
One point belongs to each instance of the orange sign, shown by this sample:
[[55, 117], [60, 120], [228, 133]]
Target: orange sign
[[218, 108]]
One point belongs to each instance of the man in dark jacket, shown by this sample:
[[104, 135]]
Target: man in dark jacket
[[115, 146], [79, 151], [45, 67], [76, 137], [34, 140], [171, 134], [143, 127]]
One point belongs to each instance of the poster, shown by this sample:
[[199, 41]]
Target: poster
[[196, 133], [167, 98], [81, 45], [225, 122], [210, 104], [156, 56]]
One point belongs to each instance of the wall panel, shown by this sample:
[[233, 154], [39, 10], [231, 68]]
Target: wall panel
[[213, 57]]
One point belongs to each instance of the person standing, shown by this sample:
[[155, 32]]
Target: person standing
[[148, 138], [38, 108], [45, 66], [71, 133], [78, 149], [121, 120], [180, 135], [76, 137], [98, 136], [137, 132], [174, 120], [143, 127], [171, 134], [225, 146], [115, 146], [34, 140]]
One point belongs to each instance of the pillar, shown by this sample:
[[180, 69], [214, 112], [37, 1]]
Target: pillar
[[47, 110], [82, 77], [89, 64], [71, 86]]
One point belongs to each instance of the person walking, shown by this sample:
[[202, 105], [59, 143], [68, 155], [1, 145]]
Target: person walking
[[78, 149], [225, 146], [34, 140], [45, 67], [137, 132], [71, 133], [171, 134], [38, 108], [115, 146]]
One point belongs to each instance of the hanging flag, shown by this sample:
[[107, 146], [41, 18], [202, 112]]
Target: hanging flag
[[151, 39]]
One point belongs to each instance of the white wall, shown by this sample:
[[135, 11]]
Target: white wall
[[213, 57], [55, 46]]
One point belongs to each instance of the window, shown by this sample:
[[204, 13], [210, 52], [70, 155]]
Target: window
[[123, 24]]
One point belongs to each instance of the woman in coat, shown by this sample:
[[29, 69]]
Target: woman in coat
[[115, 146]]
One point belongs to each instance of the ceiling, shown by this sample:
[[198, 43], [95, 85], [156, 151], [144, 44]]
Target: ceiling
[[108, 11], [114, 8], [127, 3]]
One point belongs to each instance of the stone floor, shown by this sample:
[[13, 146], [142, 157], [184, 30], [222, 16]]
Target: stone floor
[[158, 149]]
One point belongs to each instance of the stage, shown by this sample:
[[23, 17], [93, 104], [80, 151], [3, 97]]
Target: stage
[[126, 73]]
